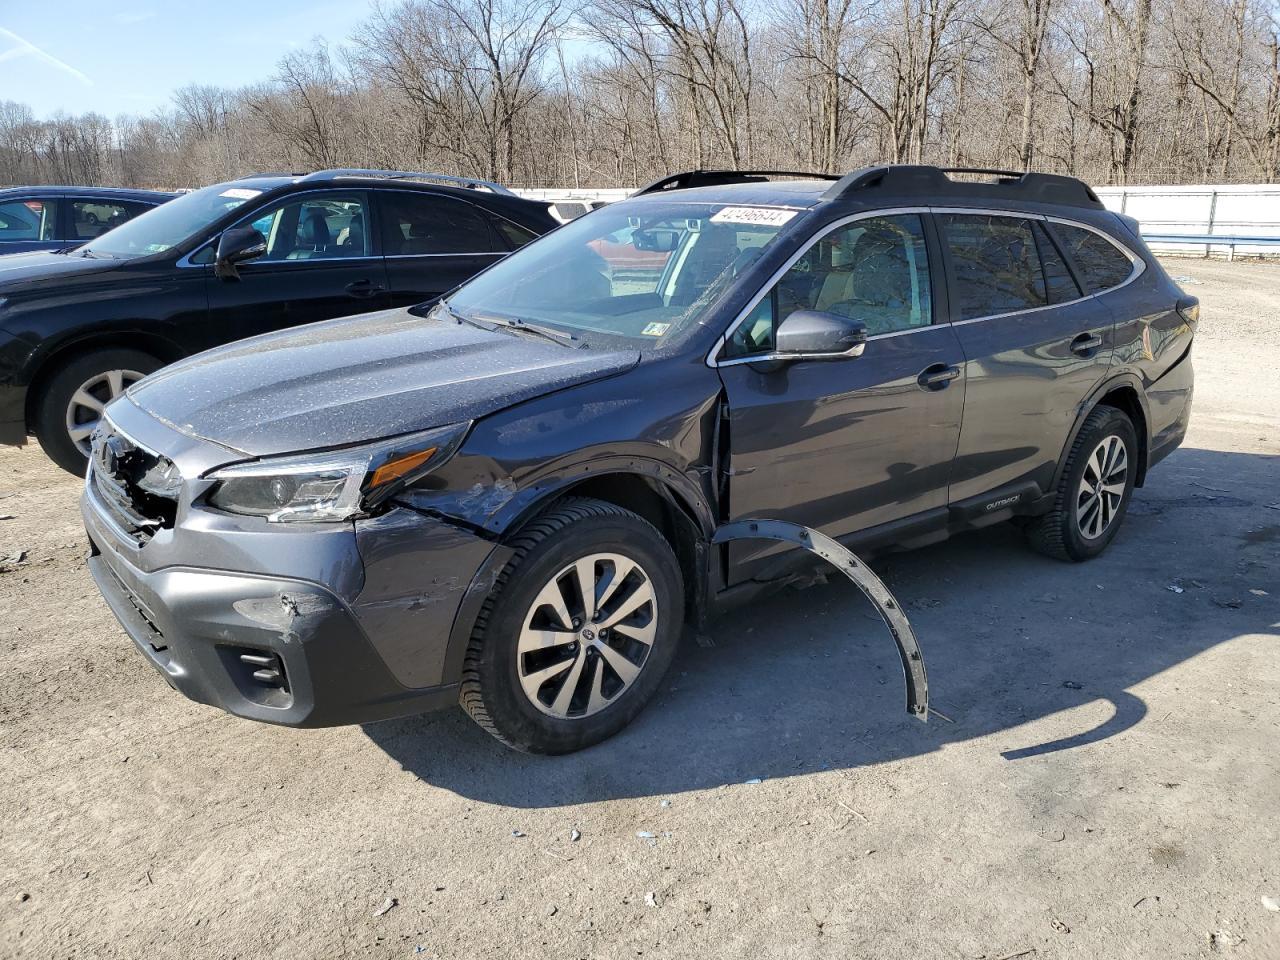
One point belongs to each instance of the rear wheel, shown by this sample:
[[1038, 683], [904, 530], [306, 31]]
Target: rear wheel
[[578, 632], [1093, 494], [73, 400]]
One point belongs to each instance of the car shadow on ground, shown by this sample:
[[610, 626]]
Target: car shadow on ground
[[810, 680]]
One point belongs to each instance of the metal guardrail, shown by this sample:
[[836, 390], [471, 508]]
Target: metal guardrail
[[1208, 240]]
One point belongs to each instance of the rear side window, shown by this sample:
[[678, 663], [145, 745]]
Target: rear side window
[[515, 235], [996, 263], [414, 224], [92, 218], [1057, 278], [1101, 264], [26, 220]]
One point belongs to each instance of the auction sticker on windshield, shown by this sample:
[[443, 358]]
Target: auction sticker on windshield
[[240, 193], [762, 216]]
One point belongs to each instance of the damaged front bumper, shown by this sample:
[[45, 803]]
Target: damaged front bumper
[[297, 624]]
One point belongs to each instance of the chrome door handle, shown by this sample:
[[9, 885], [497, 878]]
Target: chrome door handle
[[1085, 344], [936, 376]]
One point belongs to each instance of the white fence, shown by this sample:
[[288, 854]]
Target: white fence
[[1225, 210], [1230, 210]]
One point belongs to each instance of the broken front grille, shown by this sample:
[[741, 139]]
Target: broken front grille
[[138, 487]]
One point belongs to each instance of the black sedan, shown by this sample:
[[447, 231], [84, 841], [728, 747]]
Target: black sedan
[[78, 326]]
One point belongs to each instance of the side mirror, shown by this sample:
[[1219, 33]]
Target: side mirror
[[236, 246], [816, 335], [657, 239]]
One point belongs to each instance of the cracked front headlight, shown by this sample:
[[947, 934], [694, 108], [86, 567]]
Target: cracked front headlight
[[335, 484]]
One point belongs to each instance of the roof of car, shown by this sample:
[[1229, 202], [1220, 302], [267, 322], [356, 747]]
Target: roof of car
[[488, 194], [900, 182], [106, 193], [788, 193]]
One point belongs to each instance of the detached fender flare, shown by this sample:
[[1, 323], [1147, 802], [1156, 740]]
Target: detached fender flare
[[864, 579]]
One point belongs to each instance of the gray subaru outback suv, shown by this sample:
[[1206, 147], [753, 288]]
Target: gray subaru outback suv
[[507, 497]]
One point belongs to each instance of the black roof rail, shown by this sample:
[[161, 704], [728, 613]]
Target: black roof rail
[[933, 183], [270, 173], [713, 178], [471, 183]]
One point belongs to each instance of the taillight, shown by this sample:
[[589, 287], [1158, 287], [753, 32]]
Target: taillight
[[1189, 309]]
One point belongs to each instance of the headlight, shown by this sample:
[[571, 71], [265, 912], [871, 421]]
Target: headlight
[[332, 485]]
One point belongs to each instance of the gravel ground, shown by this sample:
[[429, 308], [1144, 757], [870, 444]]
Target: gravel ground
[[1104, 784]]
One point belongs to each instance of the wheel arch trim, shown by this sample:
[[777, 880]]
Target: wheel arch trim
[[675, 488], [1124, 380]]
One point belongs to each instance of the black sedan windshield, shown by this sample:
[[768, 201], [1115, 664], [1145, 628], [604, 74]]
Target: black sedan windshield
[[169, 224], [643, 272]]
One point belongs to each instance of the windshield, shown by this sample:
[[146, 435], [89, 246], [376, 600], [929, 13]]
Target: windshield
[[642, 272], [170, 223]]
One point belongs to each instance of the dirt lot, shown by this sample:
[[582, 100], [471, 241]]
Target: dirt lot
[[1106, 783]]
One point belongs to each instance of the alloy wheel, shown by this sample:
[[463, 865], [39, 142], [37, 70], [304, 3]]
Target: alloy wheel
[[86, 405], [587, 636], [1102, 487]]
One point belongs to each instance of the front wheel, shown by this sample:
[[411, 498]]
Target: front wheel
[[578, 631], [1094, 492], [74, 398]]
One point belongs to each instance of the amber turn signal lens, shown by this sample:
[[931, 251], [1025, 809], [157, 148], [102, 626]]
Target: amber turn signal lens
[[399, 467]]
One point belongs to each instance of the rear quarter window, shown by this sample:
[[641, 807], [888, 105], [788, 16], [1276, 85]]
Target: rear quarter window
[[1101, 263]]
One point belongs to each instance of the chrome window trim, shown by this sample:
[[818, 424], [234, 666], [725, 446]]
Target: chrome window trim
[[461, 253], [1139, 266]]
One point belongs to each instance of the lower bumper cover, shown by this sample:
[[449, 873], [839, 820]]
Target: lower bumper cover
[[195, 625]]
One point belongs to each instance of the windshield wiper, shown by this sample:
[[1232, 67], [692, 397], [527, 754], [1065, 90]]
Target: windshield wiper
[[515, 323]]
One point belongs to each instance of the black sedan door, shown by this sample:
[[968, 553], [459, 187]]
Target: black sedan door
[[432, 243], [845, 445], [320, 264]]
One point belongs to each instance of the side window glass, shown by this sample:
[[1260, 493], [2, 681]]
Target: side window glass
[[996, 264], [314, 228], [516, 236], [1100, 262], [414, 224], [1057, 278], [26, 220], [92, 218], [874, 270]]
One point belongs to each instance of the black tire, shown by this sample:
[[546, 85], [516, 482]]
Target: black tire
[[571, 529], [50, 412], [1059, 532]]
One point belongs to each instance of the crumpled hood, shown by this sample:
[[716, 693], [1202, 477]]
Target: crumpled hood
[[358, 379]]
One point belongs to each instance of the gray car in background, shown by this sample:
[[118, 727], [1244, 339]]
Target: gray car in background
[[507, 497]]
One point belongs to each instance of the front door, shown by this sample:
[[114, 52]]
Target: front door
[[845, 445], [1035, 347], [319, 265]]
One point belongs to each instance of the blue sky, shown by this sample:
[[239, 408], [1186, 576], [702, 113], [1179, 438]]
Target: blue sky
[[127, 56]]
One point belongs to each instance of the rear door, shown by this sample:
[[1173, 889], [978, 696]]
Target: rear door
[[1034, 343], [845, 445], [320, 264], [432, 243], [29, 224]]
